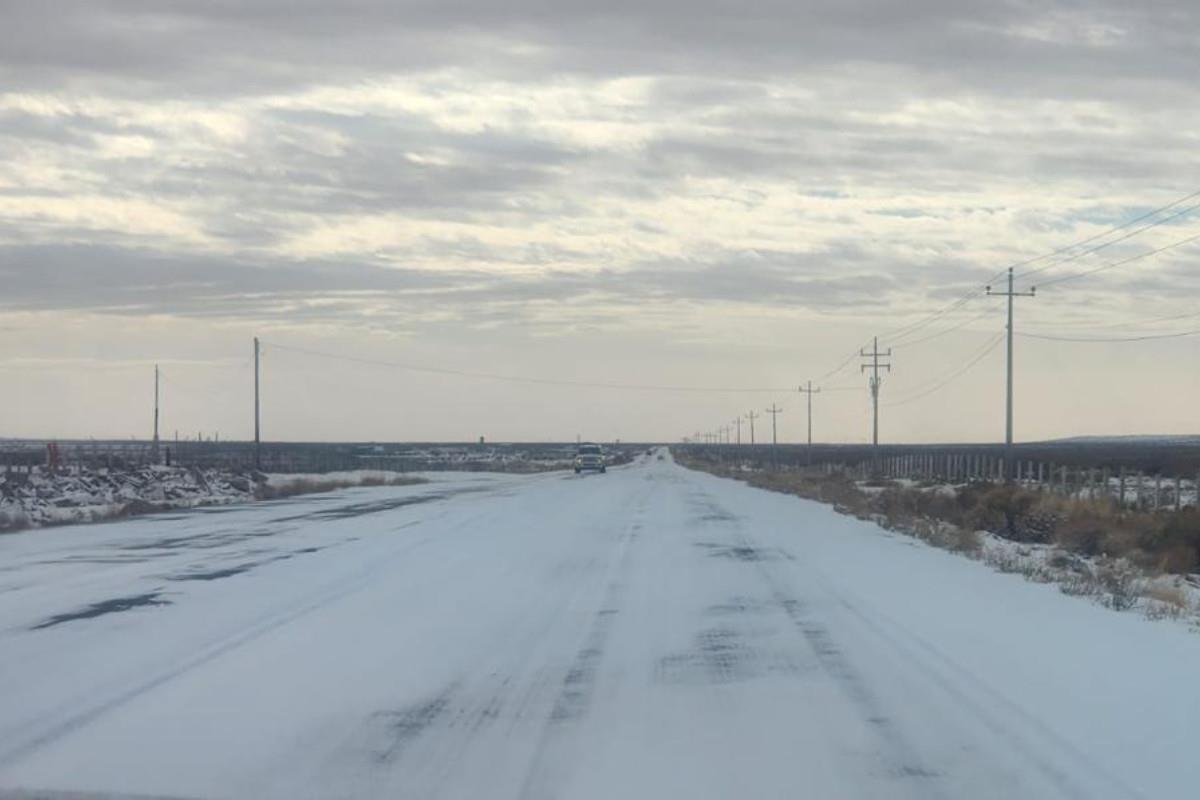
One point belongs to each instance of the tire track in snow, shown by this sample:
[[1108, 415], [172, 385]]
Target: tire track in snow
[[958, 683], [548, 767], [899, 760]]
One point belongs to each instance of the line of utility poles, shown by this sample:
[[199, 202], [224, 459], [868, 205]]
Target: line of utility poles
[[1008, 405], [726, 433]]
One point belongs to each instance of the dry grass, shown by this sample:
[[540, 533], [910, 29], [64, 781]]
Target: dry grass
[[266, 491], [1167, 601], [11, 523]]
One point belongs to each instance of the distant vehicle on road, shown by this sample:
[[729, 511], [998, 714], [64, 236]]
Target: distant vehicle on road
[[590, 456]]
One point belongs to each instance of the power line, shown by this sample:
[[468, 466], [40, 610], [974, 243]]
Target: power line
[[849, 359], [1146, 338], [1129, 323], [989, 346], [493, 376], [951, 329], [1101, 235], [898, 334], [1121, 262]]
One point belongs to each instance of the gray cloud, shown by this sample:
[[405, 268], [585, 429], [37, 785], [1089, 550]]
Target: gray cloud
[[231, 47], [960, 109]]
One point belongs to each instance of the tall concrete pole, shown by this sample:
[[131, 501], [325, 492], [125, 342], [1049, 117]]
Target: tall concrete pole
[[810, 391], [257, 409], [1008, 404]]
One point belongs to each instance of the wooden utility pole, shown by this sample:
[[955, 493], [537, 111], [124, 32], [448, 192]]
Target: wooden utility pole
[[155, 452], [1008, 413], [257, 409], [774, 412], [738, 423], [810, 391], [752, 416], [875, 382]]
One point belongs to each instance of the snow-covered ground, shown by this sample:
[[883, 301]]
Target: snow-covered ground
[[75, 495], [649, 633], [88, 495]]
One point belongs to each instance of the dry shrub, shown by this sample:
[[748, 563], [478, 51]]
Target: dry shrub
[[10, 523], [1082, 533], [1120, 583], [1080, 584], [1003, 560], [266, 491], [955, 539], [1175, 545], [388, 480], [1167, 602], [1001, 509]]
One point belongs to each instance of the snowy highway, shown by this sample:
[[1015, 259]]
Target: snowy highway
[[649, 633]]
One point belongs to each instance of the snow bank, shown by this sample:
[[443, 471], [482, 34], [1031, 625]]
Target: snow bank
[[45, 498]]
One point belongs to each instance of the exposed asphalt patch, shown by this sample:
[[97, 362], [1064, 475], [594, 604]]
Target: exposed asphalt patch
[[378, 506], [741, 552], [576, 694], [718, 655], [214, 575], [229, 572], [114, 606], [362, 509], [735, 606], [727, 653], [403, 726]]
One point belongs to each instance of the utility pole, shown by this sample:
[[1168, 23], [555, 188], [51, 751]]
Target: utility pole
[[1008, 414], [738, 422], [875, 382], [752, 416], [155, 450], [810, 391], [774, 412], [257, 410]]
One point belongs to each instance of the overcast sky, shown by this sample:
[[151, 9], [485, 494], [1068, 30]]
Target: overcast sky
[[699, 194]]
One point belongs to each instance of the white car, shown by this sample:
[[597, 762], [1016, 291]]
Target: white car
[[589, 456]]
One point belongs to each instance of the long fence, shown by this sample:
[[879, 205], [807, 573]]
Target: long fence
[[1152, 478], [25, 456]]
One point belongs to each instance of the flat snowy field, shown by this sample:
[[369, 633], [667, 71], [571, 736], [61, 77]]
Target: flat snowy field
[[649, 633]]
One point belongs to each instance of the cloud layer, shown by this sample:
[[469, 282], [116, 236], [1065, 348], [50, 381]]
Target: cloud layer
[[670, 170]]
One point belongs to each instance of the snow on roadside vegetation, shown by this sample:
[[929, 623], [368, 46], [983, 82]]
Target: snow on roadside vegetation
[[55, 498], [41, 498], [1145, 562]]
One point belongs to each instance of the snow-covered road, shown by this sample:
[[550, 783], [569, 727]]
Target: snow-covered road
[[649, 633]]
